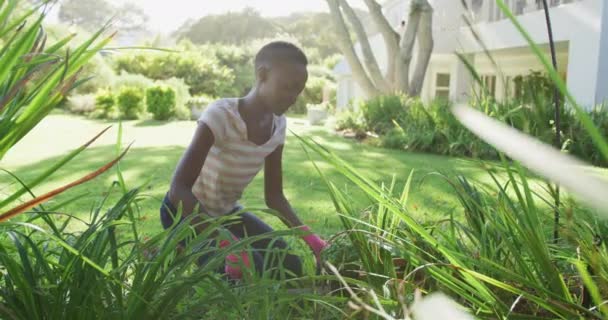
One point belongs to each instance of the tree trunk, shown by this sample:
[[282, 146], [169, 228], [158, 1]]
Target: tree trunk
[[347, 48], [391, 38], [425, 48], [370, 62], [408, 39]]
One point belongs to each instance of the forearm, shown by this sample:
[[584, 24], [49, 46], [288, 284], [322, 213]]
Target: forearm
[[286, 212], [184, 197]]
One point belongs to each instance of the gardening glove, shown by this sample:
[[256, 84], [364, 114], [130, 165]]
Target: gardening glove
[[234, 261], [314, 242]]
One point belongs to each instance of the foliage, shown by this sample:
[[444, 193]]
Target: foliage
[[131, 80], [33, 77], [94, 14], [105, 102], [313, 94], [81, 104], [228, 28], [313, 32], [310, 30], [499, 260], [380, 112], [203, 74], [579, 142], [407, 124], [161, 102], [101, 74], [130, 101], [533, 88], [182, 96]]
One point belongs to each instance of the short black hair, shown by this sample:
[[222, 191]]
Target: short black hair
[[280, 51]]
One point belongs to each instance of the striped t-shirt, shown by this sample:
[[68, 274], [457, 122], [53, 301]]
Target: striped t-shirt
[[233, 161]]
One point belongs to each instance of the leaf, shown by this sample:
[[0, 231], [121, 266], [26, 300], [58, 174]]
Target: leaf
[[30, 204], [539, 157]]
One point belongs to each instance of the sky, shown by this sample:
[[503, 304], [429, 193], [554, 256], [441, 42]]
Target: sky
[[169, 15]]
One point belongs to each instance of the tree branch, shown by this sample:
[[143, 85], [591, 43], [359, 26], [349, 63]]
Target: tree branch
[[347, 48], [408, 39], [370, 62], [425, 47], [391, 37]]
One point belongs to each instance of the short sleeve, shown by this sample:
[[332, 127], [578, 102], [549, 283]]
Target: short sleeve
[[215, 117], [282, 129]]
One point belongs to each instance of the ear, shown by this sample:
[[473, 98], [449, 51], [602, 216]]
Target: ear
[[262, 73]]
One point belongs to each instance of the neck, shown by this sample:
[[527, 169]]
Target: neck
[[252, 105]]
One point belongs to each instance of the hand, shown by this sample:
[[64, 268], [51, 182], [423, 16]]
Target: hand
[[232, 267], [314, 242]]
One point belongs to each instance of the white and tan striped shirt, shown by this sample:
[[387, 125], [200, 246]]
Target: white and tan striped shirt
[[233, 161]]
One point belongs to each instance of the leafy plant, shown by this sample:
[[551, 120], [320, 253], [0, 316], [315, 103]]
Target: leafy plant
[[130, 101], [161, 102], [105, 102]]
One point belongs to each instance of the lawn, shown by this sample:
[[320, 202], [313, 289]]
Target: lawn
[[158, 146]]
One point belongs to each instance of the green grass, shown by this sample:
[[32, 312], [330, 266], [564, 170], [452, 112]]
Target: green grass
[[159, 145]]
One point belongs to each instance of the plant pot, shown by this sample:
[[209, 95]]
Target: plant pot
[[316, 116]]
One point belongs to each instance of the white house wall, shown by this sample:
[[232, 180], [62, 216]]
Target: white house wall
[[578, 29]]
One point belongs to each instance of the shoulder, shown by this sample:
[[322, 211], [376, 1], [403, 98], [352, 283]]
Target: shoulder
[[217, 116], [218, 108]]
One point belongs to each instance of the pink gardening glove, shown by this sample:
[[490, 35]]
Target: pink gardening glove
[[232, 268], [314, 242]]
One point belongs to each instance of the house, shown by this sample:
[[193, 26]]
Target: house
[[580, 32]]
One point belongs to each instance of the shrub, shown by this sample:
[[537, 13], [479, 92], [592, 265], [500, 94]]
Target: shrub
[[198, 104], [182, 96], [101, 75], [160, 102], [203, 74], [132, 80], [81, 103], [105, 102], [130, 102], [380, 112], [313, 94], [578, 141]]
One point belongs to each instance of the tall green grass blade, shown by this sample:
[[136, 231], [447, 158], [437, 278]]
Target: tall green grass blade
[[585, 119]]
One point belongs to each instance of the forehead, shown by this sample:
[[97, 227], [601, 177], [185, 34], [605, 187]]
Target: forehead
[[295, 71]]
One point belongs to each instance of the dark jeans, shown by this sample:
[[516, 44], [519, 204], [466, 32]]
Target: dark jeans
[[247, 225]]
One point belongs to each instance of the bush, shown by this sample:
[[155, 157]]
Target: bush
[[380, 112], [182, 96], [578, 142], [81, 103], [351, 121], [126, 79], [313, 94], [202, 73], [130, 102], [101, 74], [198, 104], [161, 102], [105, 102]]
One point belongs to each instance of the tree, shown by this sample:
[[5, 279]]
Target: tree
[[400, 47], [228, 28], [93, 14], [311, 30]]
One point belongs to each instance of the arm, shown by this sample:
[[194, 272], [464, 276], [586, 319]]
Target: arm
[[188, 170], [273, 189], [275, 199]]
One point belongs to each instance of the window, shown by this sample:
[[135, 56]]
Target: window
[[442, 86], [489, 85]]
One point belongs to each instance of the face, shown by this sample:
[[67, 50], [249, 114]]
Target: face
[[281, 84]]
